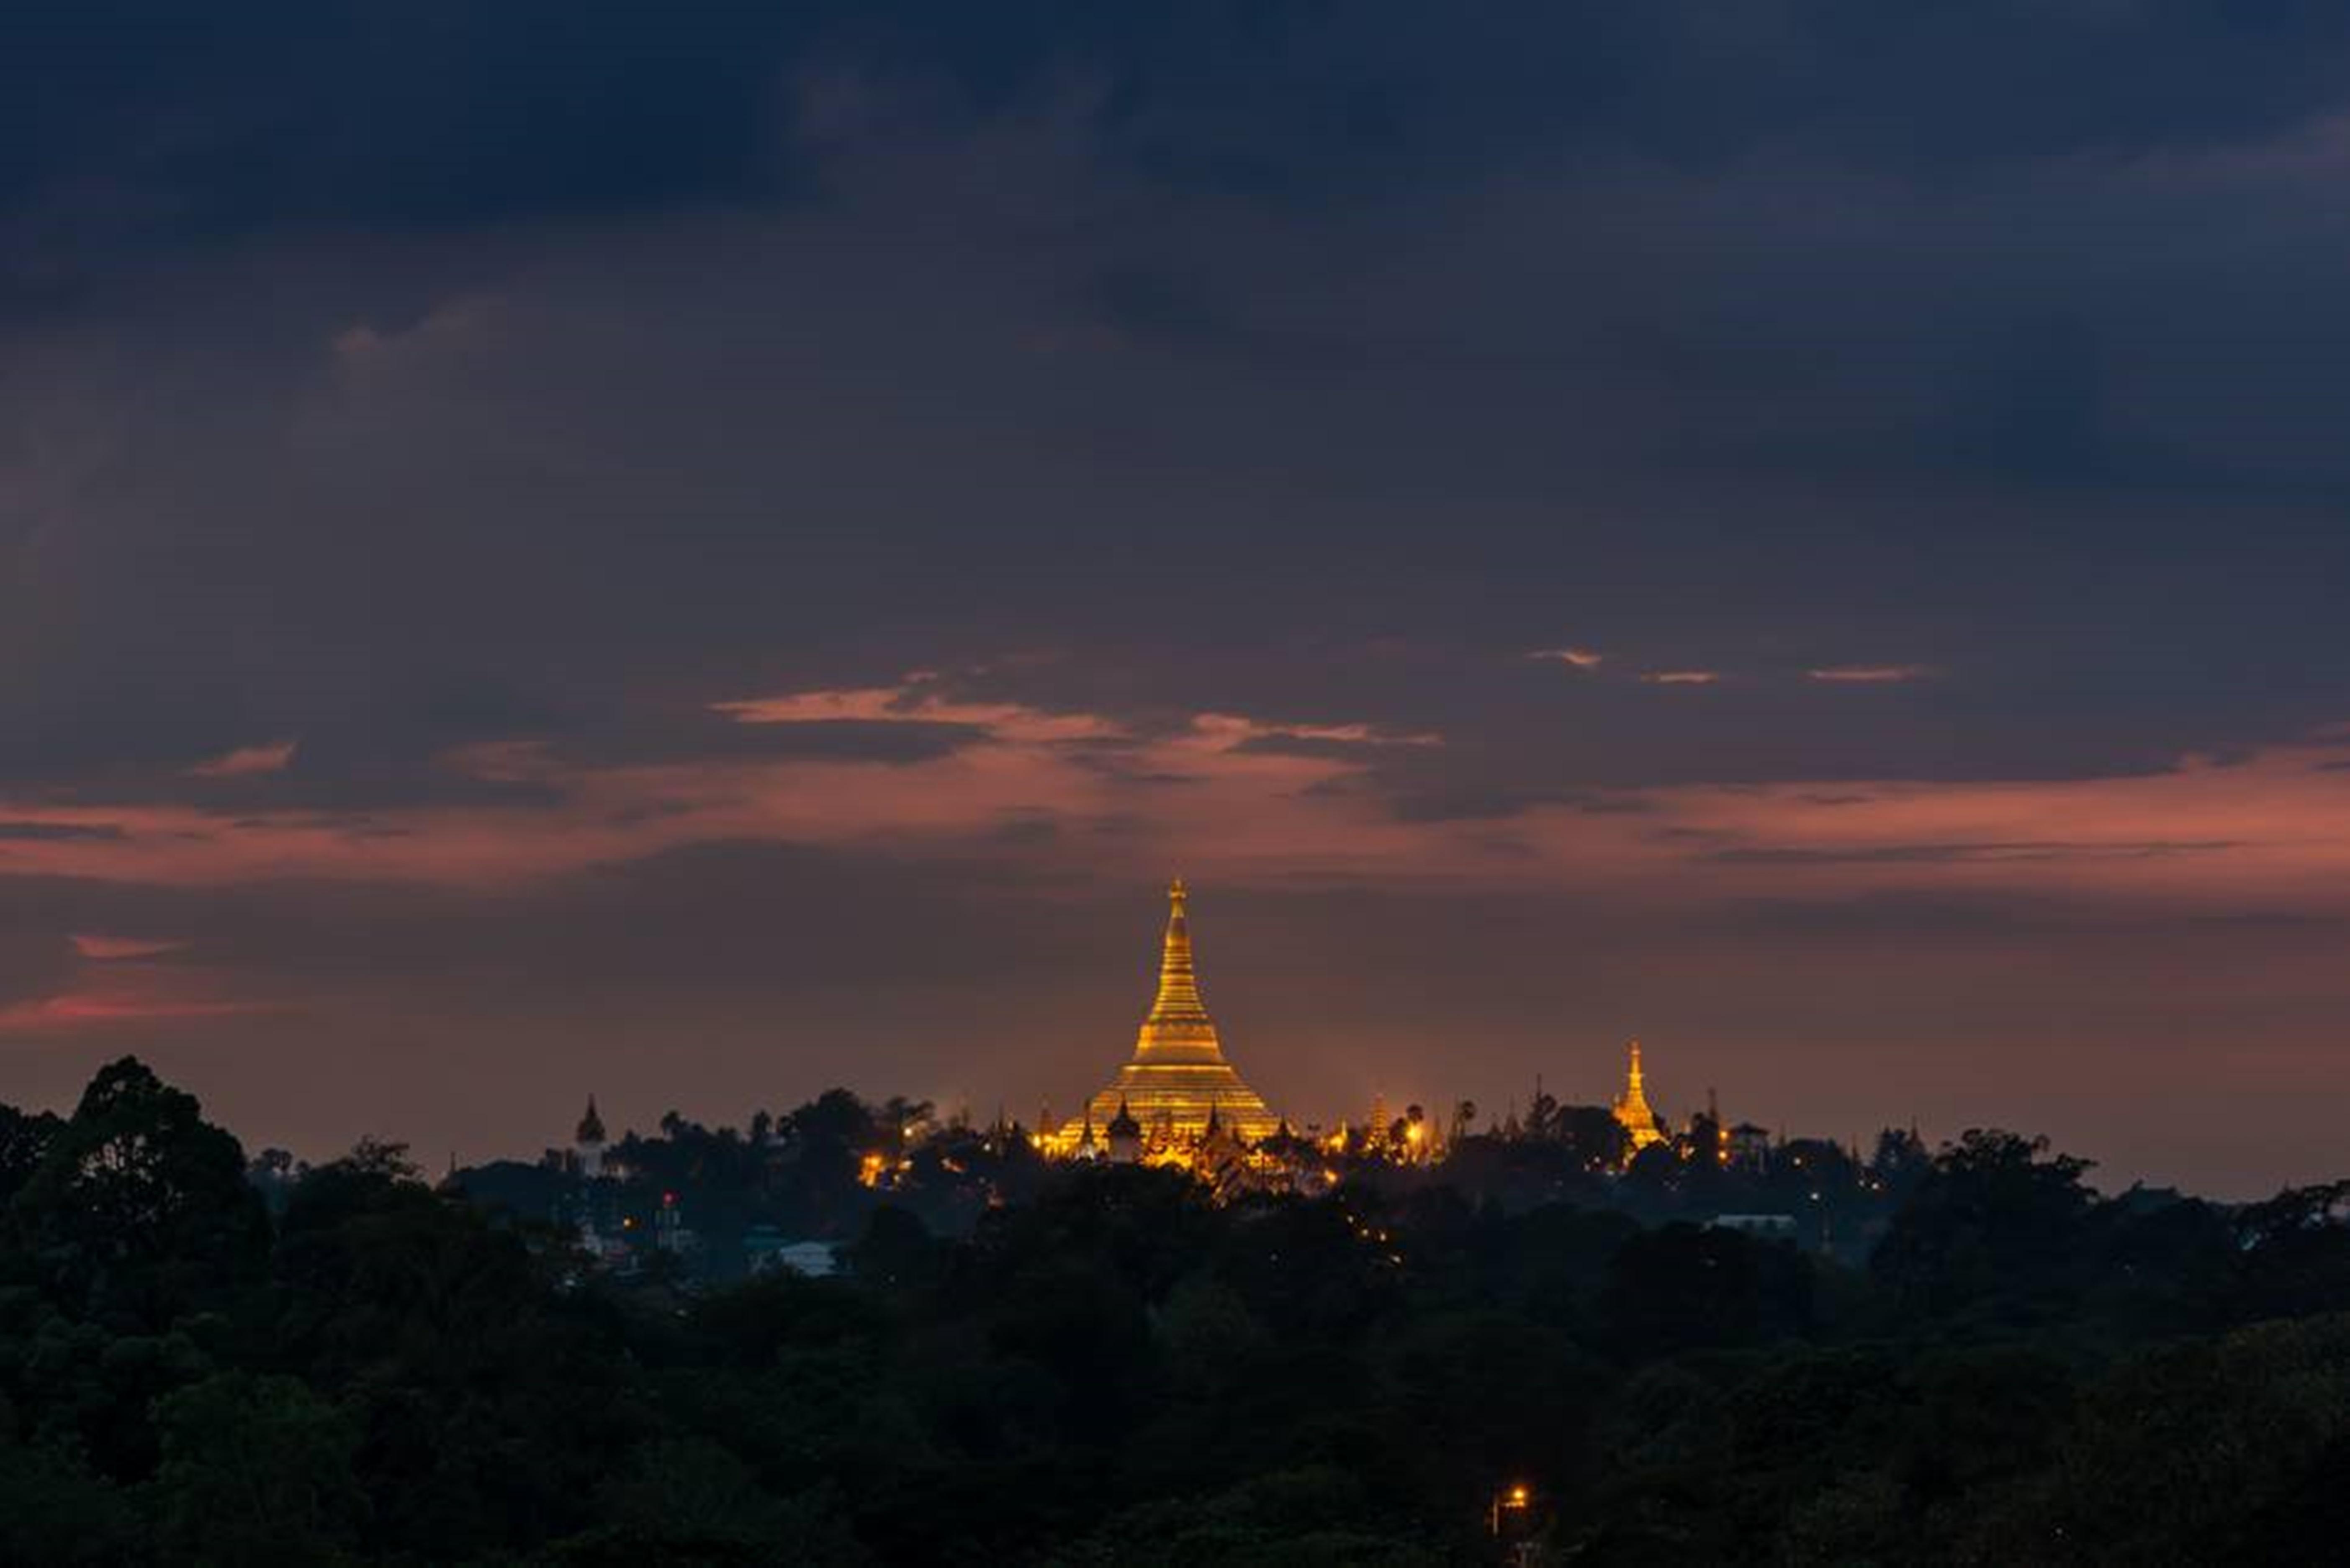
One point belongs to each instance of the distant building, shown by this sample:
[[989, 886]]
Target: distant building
[[1750, 1145], [762, 1248], [1219, 1145], [1768, 1225], [587, 1143], [1631, 1106], [1177, 1081], [669, 1232], [812, 1260], [765, 1251], [607, 1248], [1125, 1136]]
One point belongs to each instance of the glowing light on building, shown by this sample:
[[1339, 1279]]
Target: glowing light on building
[[1177, 1087], [1631, 1106]]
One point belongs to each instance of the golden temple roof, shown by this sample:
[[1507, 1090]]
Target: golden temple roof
[[1178, 1078]]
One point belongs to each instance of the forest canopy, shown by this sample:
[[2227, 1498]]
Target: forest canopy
[[215, 1359]]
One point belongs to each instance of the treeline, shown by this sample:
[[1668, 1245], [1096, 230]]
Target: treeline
[[1119, 1370], [814, 1173], [819, 1171]]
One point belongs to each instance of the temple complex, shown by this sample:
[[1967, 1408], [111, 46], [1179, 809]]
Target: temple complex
[[1178, 1089], [1177, 1101]]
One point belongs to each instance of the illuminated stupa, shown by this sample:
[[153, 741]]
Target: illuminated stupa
[[1178, 1078], [1632, 1107]]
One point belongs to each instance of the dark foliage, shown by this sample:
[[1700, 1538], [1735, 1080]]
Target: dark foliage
[[1119, 1369]]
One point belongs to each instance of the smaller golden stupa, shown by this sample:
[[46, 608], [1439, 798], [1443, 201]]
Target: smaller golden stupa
[[1632, 1110], [1178, 1081]]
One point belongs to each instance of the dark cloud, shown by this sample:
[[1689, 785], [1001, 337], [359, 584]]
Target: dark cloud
[[1290, 744], [1467, 800], [690, 736], [271, 113], [449, 114]]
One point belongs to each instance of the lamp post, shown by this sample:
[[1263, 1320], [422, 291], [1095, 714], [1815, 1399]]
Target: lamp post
[[1514, 1499]]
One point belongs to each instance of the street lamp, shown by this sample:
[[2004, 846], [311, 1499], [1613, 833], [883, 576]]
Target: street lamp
[[1515, 1498]]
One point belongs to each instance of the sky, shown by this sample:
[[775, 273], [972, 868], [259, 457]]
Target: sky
[[697, 553]]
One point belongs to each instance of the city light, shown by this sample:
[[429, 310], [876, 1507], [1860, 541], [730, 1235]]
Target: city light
[[1515, 1498]]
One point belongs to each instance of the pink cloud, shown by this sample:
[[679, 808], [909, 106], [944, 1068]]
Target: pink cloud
[[81, 1011], [117, 996], [104, 949], [246, 761], [2273, 830], [1681, 677], [1024, 762], [915, 702], [1580, 658]]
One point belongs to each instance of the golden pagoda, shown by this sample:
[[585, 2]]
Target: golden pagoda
[[1632, 1110], [1178, 1081]]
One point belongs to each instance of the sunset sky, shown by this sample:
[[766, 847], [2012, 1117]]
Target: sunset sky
[[700, 553]]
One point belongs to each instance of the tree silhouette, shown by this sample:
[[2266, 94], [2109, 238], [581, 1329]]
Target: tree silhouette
[[138, 1208]]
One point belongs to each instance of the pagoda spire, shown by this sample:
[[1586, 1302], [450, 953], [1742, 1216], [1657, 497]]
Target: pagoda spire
[[1632, 1105], [1179, 983], [1177, 1083]]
